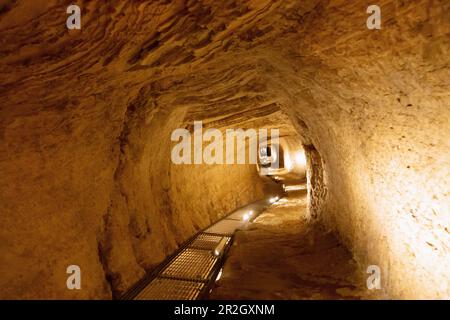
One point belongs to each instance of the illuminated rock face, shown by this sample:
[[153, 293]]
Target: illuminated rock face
[[86, 117]]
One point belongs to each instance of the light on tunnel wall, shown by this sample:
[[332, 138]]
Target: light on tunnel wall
[[220, 247], [219, 275], [274, 199], [246, 217]]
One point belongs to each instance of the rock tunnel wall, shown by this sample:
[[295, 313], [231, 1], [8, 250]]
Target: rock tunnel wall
[[83, 112]]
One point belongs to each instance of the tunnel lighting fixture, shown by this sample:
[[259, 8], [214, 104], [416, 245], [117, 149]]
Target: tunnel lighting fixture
[[219, 275], [250, 213], [220, 247], [246, 217]]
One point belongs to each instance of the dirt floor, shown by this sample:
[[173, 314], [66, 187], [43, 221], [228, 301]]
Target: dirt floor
[[283, 256]]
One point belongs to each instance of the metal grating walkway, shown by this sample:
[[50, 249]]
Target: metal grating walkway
[[191, 271]]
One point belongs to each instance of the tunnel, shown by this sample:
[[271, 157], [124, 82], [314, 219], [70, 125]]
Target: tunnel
[[116, 160]]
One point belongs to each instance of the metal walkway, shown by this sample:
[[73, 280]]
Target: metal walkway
[[191, 271]]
